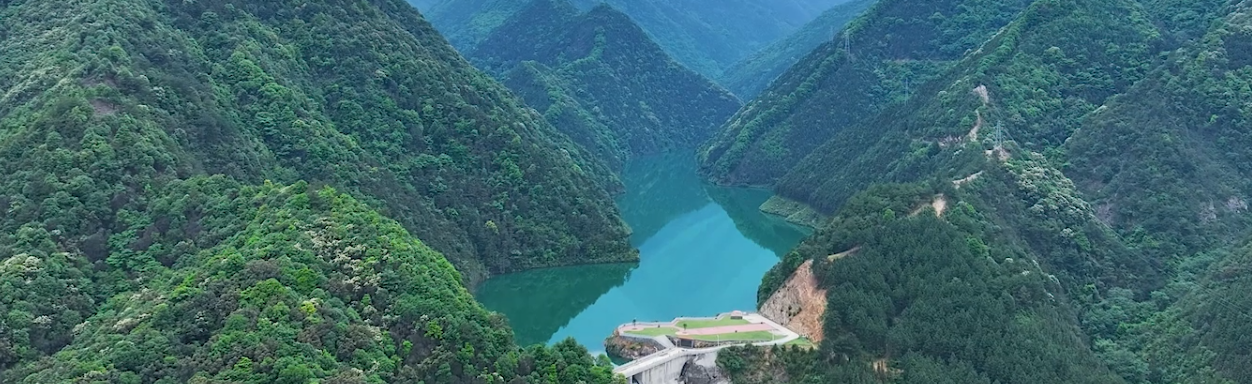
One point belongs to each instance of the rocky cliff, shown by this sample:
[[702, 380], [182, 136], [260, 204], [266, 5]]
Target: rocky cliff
[[799, 304]]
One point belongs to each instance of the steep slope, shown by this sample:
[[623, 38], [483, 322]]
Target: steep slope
[[1176, 188], [924, 299], [895, 46], [547, 90], [709, 39], [295, 285], [602, 69], [143, 241], [270, 92], [751, 75], [1181, 130], [467, 22], [1174, 177], [1037, 88], [704, 38], [1060, 147], [1202, 337]]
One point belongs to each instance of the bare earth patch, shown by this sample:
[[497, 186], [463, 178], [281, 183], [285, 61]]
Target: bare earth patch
[[982, 91], [958, 183], [938, 204], [973, 135], [799, 304], [843, 254], [1000, 152], [102, 108], [881, 368]]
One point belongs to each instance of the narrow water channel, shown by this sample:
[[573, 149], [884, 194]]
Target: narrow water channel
[[703, 251]]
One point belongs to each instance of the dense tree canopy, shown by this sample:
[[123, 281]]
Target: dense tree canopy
[[893, 48], [142, 239], [751, 75], [1093, 143], [600, 79], [702, 37]]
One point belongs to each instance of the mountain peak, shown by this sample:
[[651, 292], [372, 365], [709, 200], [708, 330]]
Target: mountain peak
[[612, 72]]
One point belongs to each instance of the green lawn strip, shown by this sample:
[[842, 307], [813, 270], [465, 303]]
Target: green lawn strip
[[708, 323], [802, 342], [760, 335], [661, 331]]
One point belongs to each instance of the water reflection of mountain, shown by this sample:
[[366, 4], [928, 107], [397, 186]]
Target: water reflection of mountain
[[660, 188], [773, 233], [539, 302], [703, 250]]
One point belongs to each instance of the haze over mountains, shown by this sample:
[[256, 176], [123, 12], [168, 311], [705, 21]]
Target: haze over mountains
[[707, 37], [597, 77], [1010, 191]]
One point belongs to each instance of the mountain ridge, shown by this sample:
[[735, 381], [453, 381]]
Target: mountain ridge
[[235, 191], [601, 68]]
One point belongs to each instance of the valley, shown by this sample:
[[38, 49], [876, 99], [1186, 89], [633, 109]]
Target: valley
[[703, 250], [501, 191]]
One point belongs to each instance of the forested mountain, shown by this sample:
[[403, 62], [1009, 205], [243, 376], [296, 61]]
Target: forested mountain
[[143, 239], [707, 37], [411, 126], [467, 22], [1095, 151], [597, 77], [751, 75], [893, 48], [295, 285]]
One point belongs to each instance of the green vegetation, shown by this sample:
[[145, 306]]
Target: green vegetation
[[708, 323], [924, 292], [296, 285], [748, 77], [742, 336], [407, 126], [598, 78], [143, 239], [657, 331], [467, 22], [705, 39], [896, 46], [1106, 240], [801, 342]]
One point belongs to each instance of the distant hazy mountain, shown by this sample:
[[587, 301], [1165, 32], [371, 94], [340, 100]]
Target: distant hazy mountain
[[600, 79], [707, 36], [751, 75]]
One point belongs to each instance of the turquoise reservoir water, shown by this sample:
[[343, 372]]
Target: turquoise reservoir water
[[703, 251]]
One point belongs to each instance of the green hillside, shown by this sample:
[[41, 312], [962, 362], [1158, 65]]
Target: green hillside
[[261, 94], [597, 77], [1106, 170], [467, 22], [893, 48], [144, 241], [751, 75], [703, 38], [291, 285], [929, 299]]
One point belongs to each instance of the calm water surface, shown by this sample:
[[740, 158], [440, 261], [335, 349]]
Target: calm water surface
[[703, 250]]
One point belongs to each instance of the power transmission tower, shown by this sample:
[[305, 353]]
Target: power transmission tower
[[848, 51], [999, 137]]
